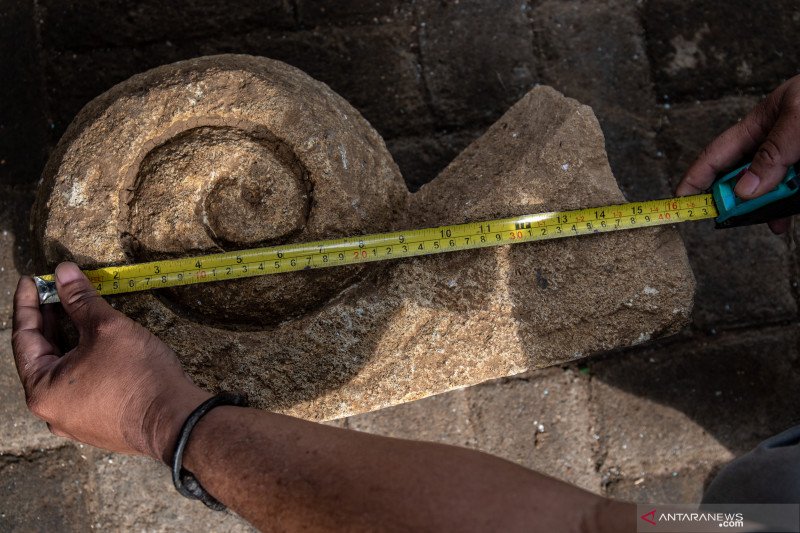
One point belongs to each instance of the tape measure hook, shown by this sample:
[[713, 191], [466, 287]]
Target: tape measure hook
[[47, 291]]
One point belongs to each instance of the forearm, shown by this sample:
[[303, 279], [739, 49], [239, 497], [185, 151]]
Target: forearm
[[283, 473]]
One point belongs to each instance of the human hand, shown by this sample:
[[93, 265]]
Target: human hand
[[121, 388], [773, 128]]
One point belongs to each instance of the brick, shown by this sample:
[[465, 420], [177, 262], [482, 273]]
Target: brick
[[421, 158], [374, 68], [44, 491], [707, 49], [23, 121], [594, 51], [541, 422], [352, 13], [20, 431], [694, 404], [477, 58], [443, 418], [83, 25], [136, 494], [744, 275]]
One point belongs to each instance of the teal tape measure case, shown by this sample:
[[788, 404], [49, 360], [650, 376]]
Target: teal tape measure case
[[780, 202]]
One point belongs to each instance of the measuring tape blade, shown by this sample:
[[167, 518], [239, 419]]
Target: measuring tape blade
[[384, 246]]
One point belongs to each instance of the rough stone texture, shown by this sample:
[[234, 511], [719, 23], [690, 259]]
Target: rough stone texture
[[136, 494], [20, 431], [404, 330], [200, 164], [698, 51], [44, 492]]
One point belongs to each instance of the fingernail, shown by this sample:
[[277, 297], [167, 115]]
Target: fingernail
[[67, 273], [747, 184]]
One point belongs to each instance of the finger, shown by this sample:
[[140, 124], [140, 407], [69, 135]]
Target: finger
[[50, 317], [726, 150], [57, 432], [80, 299], [779, 226], [32, 352], [780, 149]]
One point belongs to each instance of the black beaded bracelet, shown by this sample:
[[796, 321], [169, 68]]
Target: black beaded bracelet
[[184, 481]]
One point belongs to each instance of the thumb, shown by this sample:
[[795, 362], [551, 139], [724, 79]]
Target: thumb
[[780, 149], [80, 299]]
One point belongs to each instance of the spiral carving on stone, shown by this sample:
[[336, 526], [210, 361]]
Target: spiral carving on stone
[[250, 152], [231, 152]]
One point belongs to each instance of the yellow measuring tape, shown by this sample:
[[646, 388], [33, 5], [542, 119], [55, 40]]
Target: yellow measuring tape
[[394, 245]]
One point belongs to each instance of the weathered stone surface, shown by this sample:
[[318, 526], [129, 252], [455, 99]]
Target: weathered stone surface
[[326, 344], [198, 167], [44, 492], [137, 494], [20, 431], [707, 49]]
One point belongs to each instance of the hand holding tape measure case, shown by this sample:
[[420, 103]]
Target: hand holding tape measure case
[[782, 201]]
